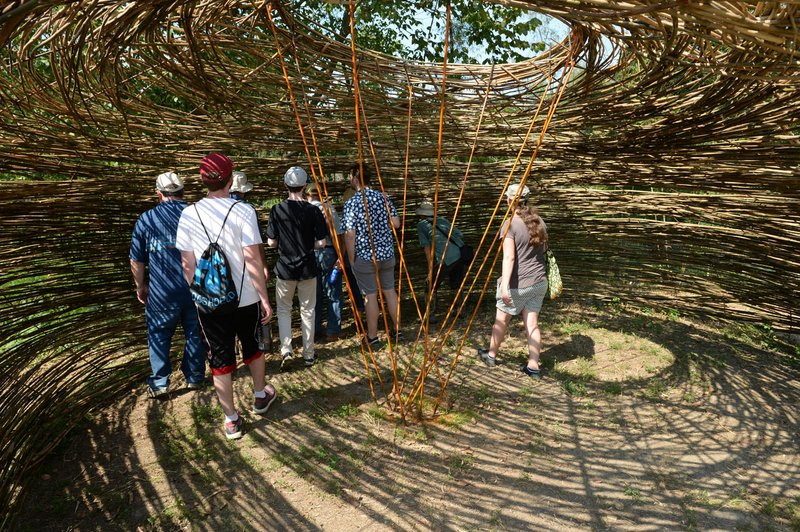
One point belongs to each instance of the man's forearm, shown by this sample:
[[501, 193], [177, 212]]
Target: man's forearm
[[137, 269], [189, 263], [350, 244]]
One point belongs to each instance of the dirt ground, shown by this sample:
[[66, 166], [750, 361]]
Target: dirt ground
[[644, 420]]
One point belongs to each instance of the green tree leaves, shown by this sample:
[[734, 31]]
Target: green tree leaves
[[479, 33]]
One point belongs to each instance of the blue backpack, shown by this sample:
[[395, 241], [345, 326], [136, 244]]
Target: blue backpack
[[213, 290]]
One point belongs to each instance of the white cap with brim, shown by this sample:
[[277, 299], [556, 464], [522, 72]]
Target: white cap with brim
[[240, 183], [169, 182], [295, 177], [512, 192]]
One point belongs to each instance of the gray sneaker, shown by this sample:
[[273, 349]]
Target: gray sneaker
[[286, 360], [488, 360], [157, 393], [233, 429]]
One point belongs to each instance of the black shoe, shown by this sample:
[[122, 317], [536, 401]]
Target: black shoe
[[399, 337], [488, 360], [532, 373], [374, 343]]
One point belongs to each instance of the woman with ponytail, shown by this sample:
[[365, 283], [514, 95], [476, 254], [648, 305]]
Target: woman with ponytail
[[522, 286]]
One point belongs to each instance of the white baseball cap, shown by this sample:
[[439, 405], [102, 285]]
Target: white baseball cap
[[295, 177], [512, 192], [240, 183], [169, 182]]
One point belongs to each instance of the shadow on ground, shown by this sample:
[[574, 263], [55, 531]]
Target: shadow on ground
[[706, 440]]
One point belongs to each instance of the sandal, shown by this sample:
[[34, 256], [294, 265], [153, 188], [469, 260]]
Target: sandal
[[532, 373], [488, 360]]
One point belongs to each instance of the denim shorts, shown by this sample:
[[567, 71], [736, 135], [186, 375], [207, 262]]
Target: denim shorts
[[529, 298]]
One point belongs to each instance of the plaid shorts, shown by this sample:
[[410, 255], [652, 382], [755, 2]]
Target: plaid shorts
[[530, 298]]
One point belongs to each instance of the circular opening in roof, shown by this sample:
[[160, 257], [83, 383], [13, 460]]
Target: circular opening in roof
[[479, 33]]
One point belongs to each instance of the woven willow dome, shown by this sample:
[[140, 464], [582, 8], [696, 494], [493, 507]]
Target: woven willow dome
[[660, 139]]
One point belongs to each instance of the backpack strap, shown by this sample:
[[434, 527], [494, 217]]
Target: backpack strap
[[221, 227], [452, 240], [244, 263], [225, 220]]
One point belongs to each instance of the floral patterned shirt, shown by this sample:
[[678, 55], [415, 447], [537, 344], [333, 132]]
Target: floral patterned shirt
[[354, 218]]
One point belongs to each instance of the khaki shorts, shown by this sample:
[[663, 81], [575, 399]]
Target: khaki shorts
[[365, 275], [529, 298]]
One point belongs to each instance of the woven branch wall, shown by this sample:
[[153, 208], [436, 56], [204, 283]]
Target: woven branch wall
[[668, 174]]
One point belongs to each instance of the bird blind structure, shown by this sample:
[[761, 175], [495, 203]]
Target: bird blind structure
[[660, 139]]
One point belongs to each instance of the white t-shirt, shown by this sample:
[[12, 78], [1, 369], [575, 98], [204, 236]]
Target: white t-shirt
[[240, 231]]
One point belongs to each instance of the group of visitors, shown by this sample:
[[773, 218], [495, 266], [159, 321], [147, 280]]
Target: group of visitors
[[177, 250]]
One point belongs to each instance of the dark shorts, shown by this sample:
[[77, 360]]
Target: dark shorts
[[220, 333], [454, 273], [365, 275]]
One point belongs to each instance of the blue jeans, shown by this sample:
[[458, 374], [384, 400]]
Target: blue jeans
[[161, 324], [326, 258]]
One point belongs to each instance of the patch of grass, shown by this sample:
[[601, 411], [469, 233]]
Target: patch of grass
[[292, 390], [457, 419], [573, 327], [205, 415], [635, 494], [690, 517], [769, 506], [613, 388], [697, 497], [616, 344], [483, 396], [759, 334], [794, 514], [458, 464], [333, 487], [400, 434], [738, 503], [575, 388], [174, 517], [346, 410], [376, 413], [655, 389], [537, 446], [321, 455], [526, 391], [251, 462]]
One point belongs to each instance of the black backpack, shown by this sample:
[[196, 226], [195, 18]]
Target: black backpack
[[213, 290]]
